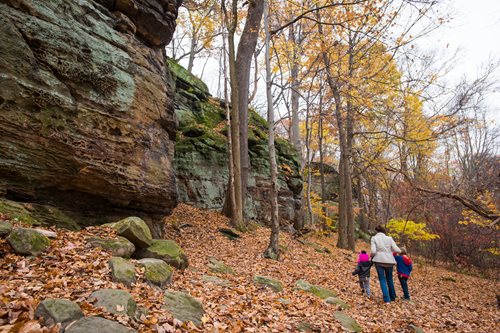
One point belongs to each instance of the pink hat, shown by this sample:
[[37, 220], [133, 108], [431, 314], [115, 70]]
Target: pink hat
[[363, 256]]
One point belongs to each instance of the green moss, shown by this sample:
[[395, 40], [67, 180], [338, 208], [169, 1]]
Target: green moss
[[17, 211], [166, 250], [37, 215], [157, 271], [28, 241], [212, 114], [197, 86]]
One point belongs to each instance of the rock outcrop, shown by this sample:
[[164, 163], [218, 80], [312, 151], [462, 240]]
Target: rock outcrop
[[201, 156], [87, 124]]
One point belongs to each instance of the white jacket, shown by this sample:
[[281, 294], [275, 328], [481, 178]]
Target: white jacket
[[382, 247]]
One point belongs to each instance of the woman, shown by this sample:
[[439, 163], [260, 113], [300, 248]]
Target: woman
[[382, 247]]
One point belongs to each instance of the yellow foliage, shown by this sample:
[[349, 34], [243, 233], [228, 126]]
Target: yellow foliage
[[323, 211], [470, 217], [413, 230]]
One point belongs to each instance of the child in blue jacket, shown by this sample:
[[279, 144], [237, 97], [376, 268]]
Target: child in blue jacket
[[404, 266]]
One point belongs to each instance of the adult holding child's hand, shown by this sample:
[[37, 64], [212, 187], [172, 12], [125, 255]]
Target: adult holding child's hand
[[382, 248]]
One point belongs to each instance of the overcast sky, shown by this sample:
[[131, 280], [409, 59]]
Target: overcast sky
[[474, 29], [475, 32]]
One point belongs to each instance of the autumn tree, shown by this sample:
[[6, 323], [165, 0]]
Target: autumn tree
[[196, 32]]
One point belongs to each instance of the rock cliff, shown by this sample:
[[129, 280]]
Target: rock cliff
[[87, 124], [201, 157]]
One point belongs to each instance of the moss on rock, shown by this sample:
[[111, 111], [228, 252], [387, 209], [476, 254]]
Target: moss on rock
[[34, 214], [166, 250], [55, 311], [135, 230], [268, 282], [347, 322], [122, 271], [119, 247], [218, 266], [157, 272], [5, 228], [184, 307], [319, 291], [28, 241]]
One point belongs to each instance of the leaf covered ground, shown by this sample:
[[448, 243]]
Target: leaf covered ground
[[442, 301]]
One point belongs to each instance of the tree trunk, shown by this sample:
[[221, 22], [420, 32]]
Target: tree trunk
[[272, 250], [363, 220], [321, 166], [246, 49], [294, 98], [192, 52], [237, 209]]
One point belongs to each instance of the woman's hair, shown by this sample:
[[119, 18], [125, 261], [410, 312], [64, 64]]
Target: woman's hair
[[380, 228]]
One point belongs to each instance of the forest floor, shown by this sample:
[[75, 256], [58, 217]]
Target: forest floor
[[442, 301]]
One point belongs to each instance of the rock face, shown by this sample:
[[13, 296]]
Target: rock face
[[201, 161], [86, 116]]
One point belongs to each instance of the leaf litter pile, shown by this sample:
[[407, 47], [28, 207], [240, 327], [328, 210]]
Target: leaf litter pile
[[442, 301]]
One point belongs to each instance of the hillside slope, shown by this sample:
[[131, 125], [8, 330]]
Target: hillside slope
[[442, 301]]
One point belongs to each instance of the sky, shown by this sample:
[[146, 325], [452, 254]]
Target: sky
[[474, 31]]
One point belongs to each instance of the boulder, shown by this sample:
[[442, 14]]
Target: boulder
[[86, 108], [215, 280], [28, 241], [55, 311], [114, 301], [348, 323], [268, 282], [218, 266], [319, 291], [183, 306], [97, 324], [135, 230], [5, 228], [157, 272], [337, 301], [166, 250], [119, 247], [122, 271]]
